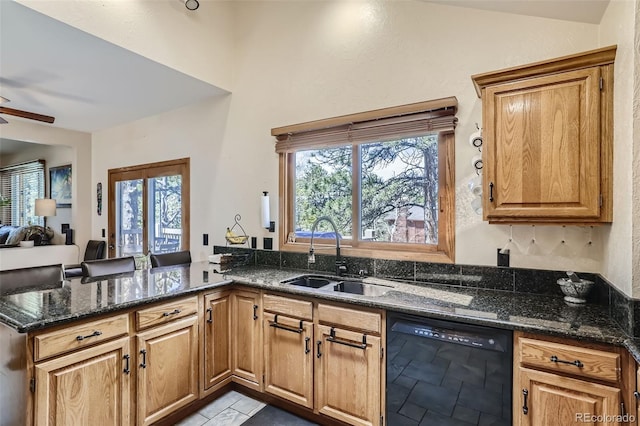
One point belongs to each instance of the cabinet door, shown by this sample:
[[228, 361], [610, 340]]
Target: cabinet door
[[348, 376], [87, 387], [247, 326], [542, 147], [217, 338], [167, 361], [288, 370], [558, 400]]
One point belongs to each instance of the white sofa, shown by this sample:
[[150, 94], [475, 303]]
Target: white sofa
[[26, 257]]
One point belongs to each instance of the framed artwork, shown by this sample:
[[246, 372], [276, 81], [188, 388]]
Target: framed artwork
[[60, 185]]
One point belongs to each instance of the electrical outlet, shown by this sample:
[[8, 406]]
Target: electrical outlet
[[503, 258]]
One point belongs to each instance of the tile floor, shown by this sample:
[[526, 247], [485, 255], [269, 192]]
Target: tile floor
[[231, 409]]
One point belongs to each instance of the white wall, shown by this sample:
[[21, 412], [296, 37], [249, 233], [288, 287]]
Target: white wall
[[298, 61], [196, 43], [617, 27], [80, 159], [54, 156], [301, 61]]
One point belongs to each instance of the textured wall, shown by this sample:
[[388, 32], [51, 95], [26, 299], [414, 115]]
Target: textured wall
[[301, 61], [196, 43], [617, 27], [636, 157]]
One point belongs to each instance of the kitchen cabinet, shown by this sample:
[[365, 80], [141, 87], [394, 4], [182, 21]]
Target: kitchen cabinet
[[167, 359], [547, 149], [561, 382], [81, 387], [247, 335], [69, 361], [217, 340], [288, 353], [349, 366]]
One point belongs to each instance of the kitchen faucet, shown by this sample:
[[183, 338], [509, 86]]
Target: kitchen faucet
[[341, 266]]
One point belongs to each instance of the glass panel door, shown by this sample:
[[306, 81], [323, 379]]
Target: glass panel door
[[129, 217], [165, 214], [149, 208]]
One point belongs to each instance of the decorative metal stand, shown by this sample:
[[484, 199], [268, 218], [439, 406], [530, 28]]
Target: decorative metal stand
[[234, 239]]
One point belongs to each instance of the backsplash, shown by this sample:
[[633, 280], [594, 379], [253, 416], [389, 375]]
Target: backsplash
[[624, 311]]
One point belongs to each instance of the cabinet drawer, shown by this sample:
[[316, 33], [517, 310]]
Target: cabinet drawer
[[350, 318], [290, 307], [79, 336], [569, 359], [166, 312]]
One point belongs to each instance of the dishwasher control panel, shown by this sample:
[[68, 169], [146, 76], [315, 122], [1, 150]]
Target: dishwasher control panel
[[474, 339]]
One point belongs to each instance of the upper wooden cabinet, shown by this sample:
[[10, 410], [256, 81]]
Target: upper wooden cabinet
[[547, 150]]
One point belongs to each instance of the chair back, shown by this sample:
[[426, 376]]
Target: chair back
[[167, 259], [14, 280], [99, 268], [95, 250]]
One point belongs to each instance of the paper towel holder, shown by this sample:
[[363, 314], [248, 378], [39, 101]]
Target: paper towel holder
[[266, 222]]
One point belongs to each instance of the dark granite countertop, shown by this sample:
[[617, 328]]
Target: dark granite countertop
[[72, 300]]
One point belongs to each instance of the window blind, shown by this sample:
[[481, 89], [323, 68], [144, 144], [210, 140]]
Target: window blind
[[22, 184], [376, 126]]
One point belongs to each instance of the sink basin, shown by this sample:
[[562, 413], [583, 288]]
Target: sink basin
[[357, 287], [325, 283], [311, 281]]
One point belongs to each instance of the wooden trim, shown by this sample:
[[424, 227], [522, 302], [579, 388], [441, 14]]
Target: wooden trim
[[376, 114], [602, 56], [606, 144]]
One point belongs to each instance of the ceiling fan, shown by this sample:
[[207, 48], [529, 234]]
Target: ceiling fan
[[22, 114]]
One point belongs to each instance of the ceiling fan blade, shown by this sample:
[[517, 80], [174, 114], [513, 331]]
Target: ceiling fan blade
[[27, 114]]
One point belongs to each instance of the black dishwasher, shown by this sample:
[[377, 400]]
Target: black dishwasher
[[447, 373]]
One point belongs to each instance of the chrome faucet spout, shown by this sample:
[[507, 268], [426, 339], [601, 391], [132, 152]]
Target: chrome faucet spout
[[341, 267]]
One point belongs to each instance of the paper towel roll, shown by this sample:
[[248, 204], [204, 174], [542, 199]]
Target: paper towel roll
[[265, 210], [475, 140]]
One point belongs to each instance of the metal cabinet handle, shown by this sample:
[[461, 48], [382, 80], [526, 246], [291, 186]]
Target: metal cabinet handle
[[144, 358], [577, 363], [210, 319], [255, 312], [525, 409], [318, 353], [306, 345], [332, 338], [275, 324], [126, 365], [174, 312], [95, 333], [491, 191]]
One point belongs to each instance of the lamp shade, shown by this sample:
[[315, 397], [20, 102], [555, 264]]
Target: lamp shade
[[45, 207]]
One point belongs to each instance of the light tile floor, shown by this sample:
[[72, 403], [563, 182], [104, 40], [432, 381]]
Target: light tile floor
[[231, 409]]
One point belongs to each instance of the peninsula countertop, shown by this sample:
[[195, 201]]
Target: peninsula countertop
[[80, 299]]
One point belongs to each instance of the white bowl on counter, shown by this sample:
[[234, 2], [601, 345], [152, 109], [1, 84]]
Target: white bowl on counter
[[26, 243]]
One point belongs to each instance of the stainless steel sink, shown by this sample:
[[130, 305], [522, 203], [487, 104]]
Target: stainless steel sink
[[357, 287], [311, 281], [325, 283]]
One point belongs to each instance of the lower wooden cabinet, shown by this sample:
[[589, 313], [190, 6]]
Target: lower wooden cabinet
[[217, 339], [247, 337], [90, 386], [348, 375], [549, 399], [561, 382], [167, 364], [288, 358]]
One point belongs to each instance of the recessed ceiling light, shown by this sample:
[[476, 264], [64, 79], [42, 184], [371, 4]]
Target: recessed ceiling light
[[192, 4]]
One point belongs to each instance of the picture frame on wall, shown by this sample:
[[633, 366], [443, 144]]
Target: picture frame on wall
[[60, 185]]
